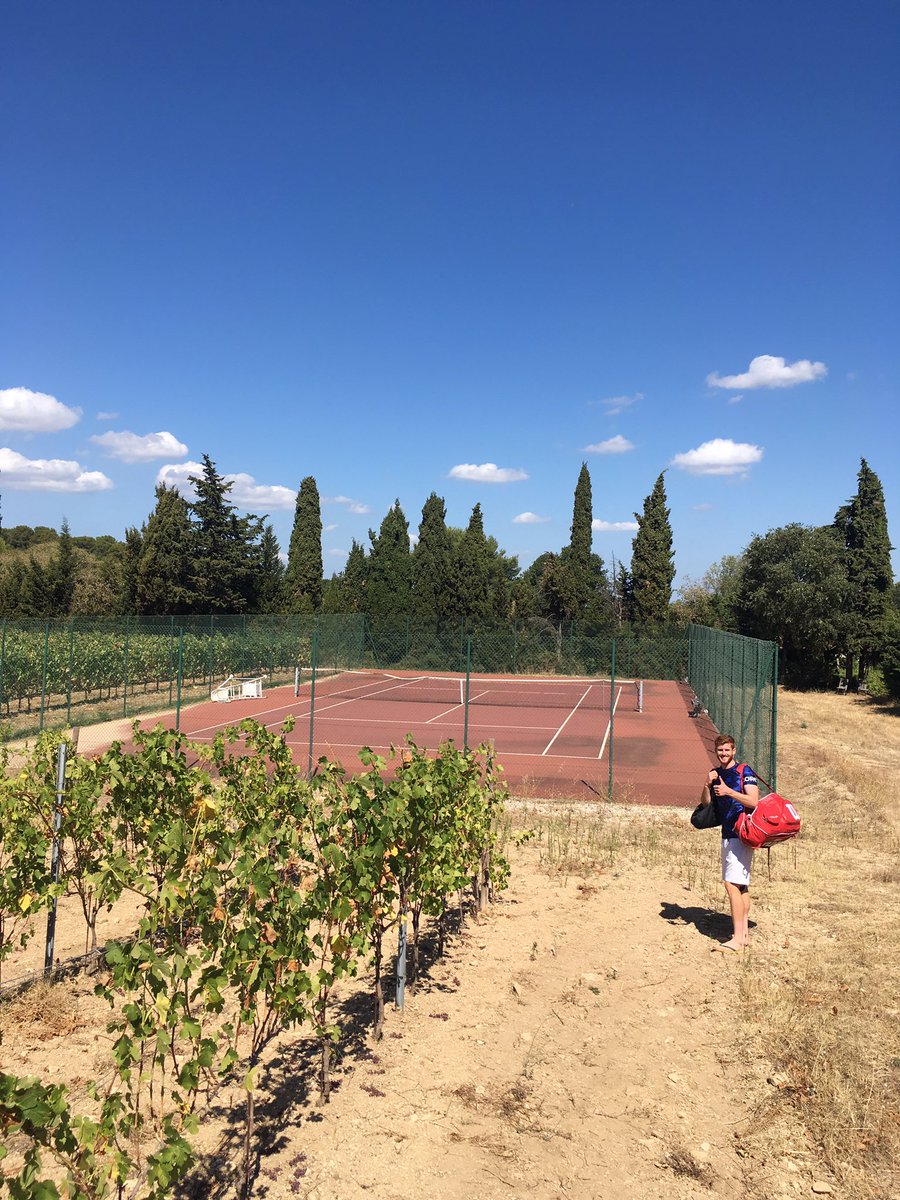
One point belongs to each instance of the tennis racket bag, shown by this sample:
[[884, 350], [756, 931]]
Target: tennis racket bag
[[773, 820]]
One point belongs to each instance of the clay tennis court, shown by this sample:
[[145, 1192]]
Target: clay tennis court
[[555, 736]]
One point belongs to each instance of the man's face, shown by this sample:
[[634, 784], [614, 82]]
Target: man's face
[[725, 754]]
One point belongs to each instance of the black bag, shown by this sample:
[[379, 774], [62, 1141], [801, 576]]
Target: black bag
[[706, 816]]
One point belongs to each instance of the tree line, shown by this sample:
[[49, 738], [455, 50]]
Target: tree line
[[202, 556], [825, 594]]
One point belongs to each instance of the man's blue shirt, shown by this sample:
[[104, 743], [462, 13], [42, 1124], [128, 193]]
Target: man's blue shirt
[[729, 808]]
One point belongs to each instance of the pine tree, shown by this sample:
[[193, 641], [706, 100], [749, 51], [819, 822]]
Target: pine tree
[[652, 566], [862, 525], [163, 583], [303, 578], [225, 553], [389, 575], [432, 558]]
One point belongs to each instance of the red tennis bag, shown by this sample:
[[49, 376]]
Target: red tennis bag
[[773, 820]]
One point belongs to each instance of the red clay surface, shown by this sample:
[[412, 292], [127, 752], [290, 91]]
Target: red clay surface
[[659, 755]]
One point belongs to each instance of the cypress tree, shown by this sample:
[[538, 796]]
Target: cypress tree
[[353, 584], [130, 566], [270, 577], [225, 554], [471, 570], [432, 557], [62, 573], [163, 583], [577, 554], [652, 565], [389, 575], [303, 578], [862, 524]]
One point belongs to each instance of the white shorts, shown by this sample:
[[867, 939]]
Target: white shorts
[[736, 860]]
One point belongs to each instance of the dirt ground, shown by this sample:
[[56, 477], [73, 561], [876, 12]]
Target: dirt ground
[[584, 1038]]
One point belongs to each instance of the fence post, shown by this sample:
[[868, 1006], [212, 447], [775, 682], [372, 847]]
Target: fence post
[[773, 752], [125, 671], [69, 676], [44, 672], [178, 682], [466, 705], [612, 714], [2, 658], [314, 657], [50, 943]]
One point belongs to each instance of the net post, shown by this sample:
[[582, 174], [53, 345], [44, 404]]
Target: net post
[[612, 715], [466, 703], [640, 695], [296, 682], [314, 660]]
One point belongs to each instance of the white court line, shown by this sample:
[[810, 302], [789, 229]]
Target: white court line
[[286, 708], [564, 724], [453, 708], [609, 724]]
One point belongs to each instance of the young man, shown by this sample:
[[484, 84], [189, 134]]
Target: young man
[[734, 791]]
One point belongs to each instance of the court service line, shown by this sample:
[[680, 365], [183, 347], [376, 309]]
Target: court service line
[[453, 708], [609, 724], [565, 723]]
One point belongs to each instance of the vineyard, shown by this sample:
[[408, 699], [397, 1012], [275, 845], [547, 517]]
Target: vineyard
[[260, 890]]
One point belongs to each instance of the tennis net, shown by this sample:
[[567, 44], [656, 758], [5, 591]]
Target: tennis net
[[378, 686]]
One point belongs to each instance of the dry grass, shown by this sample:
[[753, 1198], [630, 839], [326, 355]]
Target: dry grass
[[46, 1010], [826, 1013]]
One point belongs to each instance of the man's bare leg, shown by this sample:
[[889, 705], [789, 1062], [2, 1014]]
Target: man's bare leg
[[739, 899]]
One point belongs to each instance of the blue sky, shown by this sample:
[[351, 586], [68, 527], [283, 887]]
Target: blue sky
[[454, 247]]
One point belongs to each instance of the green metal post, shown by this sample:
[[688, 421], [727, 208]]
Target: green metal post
[[171, 640], [466, 705], [210, 661], [69, 676], [44, 672], [178, 683], [2, 658], [774, 751], [125, 672], [612, 715], [314, 657]]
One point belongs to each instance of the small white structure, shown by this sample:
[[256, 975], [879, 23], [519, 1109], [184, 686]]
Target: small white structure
[[233, 688]]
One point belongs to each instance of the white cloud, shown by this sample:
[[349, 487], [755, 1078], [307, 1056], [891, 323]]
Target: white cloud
[[354, 506], [616, 404], [770, 371], [613, 445], [336, 553], [702, 507], [34, 412], [736, 399], [329, 528], [245, 491], [614, 526], [49, 474], [133, 447], [721, 456], [530, 518], [487, 473], [107, 416]]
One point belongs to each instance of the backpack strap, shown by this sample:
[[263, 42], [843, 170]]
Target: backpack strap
[[742, 767]]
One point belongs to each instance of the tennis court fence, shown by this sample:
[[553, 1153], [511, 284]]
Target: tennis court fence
[[86, 671]]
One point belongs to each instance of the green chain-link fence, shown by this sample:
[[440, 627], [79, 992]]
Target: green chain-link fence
[[736, 680], [86, 671]]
